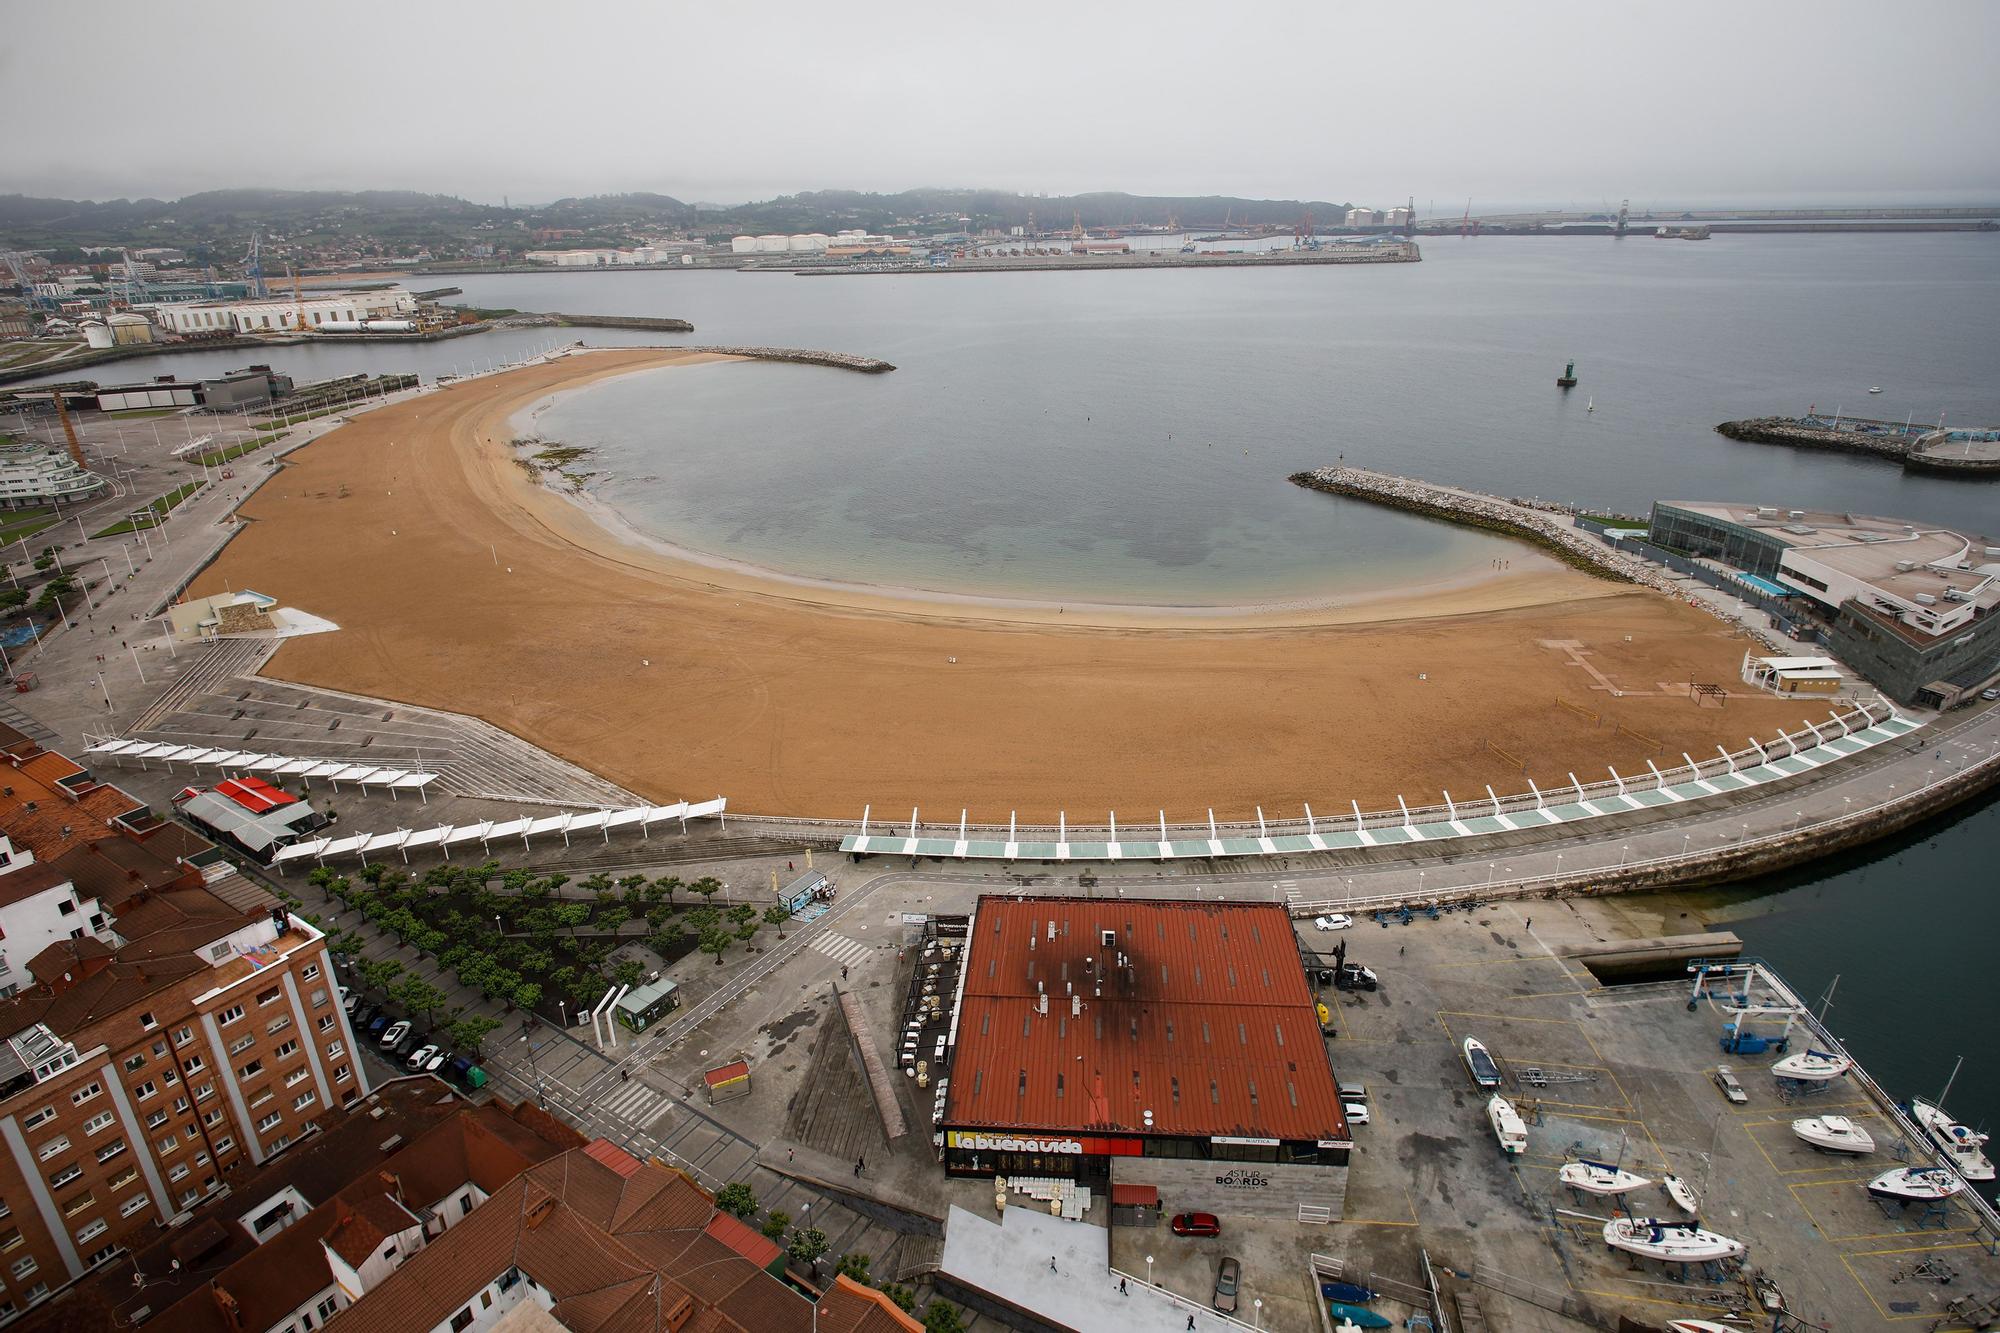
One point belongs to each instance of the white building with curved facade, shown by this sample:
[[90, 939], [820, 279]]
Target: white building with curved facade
[[36, 474]]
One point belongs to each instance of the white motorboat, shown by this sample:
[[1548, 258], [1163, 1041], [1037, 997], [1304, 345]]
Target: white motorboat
[[1600, 1178], [1508, 1127], [1479, 1061], [1961, 1145], [1810, 1066], [1876, 389], [1834, 1133], [1698, 1326], [1682, 1194], [1916, 1184], [1675, 1242]]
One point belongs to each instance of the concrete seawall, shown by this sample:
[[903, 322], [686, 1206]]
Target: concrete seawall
[[1551, 530], [1913, 449]]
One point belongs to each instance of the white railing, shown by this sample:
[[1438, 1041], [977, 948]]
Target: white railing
[[1688, 859]]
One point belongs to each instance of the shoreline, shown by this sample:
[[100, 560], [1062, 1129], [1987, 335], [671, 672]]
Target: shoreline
[[462, 584], [1464, 592]]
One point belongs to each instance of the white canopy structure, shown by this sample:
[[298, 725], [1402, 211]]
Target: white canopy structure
[[444, 837], [334, 771]]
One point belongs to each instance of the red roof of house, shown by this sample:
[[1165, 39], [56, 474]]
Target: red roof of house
[[613, 1156], [254, 794], [1136, 1196], [729, 1073], [1197, 1012], [752, 1245]]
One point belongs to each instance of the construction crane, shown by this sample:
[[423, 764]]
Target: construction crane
[[1076, 232], [298, 303], [254, 265], [1465, 223]]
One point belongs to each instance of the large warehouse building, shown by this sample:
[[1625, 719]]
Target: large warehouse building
[[1914, 608], [1172, 1045]]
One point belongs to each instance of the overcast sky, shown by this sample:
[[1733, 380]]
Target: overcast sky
[[1667, 101]]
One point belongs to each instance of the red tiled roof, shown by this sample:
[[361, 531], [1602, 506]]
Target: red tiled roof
[[365, 1224], [1199, 1012], [613, 1156], [849, 1307], [754, 1246]]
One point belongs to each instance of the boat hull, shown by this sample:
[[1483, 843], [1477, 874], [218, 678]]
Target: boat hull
[[1682, 1194], [1828, 1136], [1358, 1315], [1916, 1185], [1962, 1147], [1597, 1178], [1346, 1293], [1670, 1242], [1480, 1064]]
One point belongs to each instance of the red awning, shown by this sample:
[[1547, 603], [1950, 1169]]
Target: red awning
[[1136, 1196], [254, 794], [715, 1078]]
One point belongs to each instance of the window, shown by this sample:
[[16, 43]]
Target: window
[[509, 1278], [101, 1121], [270, 996], [243, 1043], [93, 1231], [194, 1064], [132, 1205], [78, 1204], [264, 1095], [327, 1308], [229, 1015], [189, 1133], [189, 1198], [252, 1069], [462, 1320], [224, 1144], [145, 1090], [465, 1205], [24, 1266], [271, 1121], [340, 1075], [279, 1024], [325, 1022], [159, 1052], [110, 1150], [182, 1106], [168, 1145], [37, 1292], [179, 1173], [336, 1049], [219, 952], [297, 1076], [64, 1176], [204, 1092], [34, 1118], [156, 1119], [212, 1118], [311, 972], [58, 1144], [99, 1256], [148, 1022], [304, 1099], [135, 1064], [10, 1240], [85, 1093], [183, 1035], [287, 1049], [125, 1177], [66, 907]]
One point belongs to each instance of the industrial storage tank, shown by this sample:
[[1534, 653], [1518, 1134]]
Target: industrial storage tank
[[770, 243], [95, 333], [388, 326], [131, 328], [338, 326], [742, 245], [798, 242]]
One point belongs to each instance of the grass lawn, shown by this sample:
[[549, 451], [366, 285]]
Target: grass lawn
[[222, 456], [160, 507], [293, 419], [19, 523]]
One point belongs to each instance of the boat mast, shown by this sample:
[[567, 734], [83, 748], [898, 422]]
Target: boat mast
[[1827, 999], [1948, 1082]]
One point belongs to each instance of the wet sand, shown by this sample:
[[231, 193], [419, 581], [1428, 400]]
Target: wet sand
[[460, 583]]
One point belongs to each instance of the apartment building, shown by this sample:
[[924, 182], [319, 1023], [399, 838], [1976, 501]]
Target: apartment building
[[136, 1077]]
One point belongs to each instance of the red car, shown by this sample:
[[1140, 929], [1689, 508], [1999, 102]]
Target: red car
[[1196, 1224]]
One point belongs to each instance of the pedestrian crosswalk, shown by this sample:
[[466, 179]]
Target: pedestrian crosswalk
[[634, 1103], [846, 952]]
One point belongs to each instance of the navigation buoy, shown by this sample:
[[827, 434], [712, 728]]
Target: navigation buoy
[[1567, 380]]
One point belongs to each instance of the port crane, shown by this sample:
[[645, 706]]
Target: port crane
[[1465, 227], [254, 265]]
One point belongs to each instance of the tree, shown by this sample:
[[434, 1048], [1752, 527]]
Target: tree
[[774, 1225], [13, 597], [905, 1299], [666, 884], [715, 940], [628, 973], [747, 931], [854, 1266], [736, 1199], [418, 996], [527, 995], [468, 1033], [777, 916], [806, 1247], [706, 887], [377, 973], [573, 915], [742, 912], [941, 1317]]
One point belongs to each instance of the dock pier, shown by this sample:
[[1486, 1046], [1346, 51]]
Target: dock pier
[[1919, 448]]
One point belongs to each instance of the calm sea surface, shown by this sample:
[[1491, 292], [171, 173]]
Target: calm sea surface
[[1024, 446]]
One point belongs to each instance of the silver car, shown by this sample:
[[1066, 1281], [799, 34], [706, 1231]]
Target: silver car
[[1731, 1089]]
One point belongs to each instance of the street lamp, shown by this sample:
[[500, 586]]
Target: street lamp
[[1257, 1306], [1149, 1270]]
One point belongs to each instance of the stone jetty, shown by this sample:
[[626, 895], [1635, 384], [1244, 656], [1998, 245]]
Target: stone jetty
[[866, 365], [1550, 527]]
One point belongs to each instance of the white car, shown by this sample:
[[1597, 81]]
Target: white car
[[1338, 921], [395, 1033], [1356, 1113], [421, 1056]]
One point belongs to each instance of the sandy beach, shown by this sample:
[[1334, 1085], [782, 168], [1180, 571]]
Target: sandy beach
[[461, 583]]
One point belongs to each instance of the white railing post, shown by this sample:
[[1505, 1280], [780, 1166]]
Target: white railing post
[[1213, 836], [1357, 814], [1311, 828], [1406, 809], [1537, 791], [1842, 721], [1694, 769], [961, 825], [1449, 806], [1579, 788], [913, 823], [1659, 778], [1262, 832], [1495, 799], [1615, 778], [1727, 758], [1762, 757], [864, 819]]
